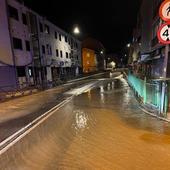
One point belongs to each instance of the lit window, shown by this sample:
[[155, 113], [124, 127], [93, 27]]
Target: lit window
[[88, 54]]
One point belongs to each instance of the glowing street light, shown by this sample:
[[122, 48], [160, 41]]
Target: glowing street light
[[128, 45], [101, 52], [76, 30]]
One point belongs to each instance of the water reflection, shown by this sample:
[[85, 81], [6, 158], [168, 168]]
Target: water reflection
[[101, 89], [81, 120], [102, 98], [89, 94]]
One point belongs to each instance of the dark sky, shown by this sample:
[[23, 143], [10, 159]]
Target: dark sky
[[109, 21]]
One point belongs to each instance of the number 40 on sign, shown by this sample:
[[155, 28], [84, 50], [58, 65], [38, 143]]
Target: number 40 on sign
[[164, 33]]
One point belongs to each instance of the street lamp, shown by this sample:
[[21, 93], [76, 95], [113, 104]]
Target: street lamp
[[101, 52], [76, 30], [128, 45]]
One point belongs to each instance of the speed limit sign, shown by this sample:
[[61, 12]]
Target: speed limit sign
[[164, 10], [163, 33]]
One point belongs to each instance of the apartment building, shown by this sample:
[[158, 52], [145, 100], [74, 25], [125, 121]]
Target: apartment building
[[34, 51], [147, 52]]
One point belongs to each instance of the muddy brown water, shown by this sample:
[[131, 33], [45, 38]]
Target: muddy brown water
[[102, 128]]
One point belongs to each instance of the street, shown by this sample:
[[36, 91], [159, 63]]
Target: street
[[82, 88], [102, 128]]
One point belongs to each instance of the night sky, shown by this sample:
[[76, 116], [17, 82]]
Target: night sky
[[110, 22]]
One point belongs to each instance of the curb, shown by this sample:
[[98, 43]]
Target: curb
[[154, 115]]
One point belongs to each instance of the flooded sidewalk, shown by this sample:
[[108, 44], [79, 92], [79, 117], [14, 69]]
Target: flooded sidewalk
[[102, 128]]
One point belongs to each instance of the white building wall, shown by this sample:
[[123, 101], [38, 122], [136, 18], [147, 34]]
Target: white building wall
[[51, 60], [21, 31], [25, 58]]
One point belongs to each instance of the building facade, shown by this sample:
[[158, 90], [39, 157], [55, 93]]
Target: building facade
[[34, 51], [89, 60], [148, 60], [146, 52], [93, 55]]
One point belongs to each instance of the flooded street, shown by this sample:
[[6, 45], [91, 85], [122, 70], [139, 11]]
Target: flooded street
[[103, 128]]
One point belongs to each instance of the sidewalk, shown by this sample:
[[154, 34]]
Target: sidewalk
[[14, 94], [4, 96]]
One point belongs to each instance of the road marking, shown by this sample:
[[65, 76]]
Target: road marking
[[13, 139]]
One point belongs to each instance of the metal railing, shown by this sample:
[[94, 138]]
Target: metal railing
[[153, 93]]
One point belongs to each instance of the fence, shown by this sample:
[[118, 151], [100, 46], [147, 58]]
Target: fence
[[153, 94]]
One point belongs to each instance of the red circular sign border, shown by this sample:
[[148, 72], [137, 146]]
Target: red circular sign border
[[160, 11], [159, 36]]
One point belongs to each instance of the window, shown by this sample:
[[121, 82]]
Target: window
[[61, 54], [41, 27], [60, 37], [55, 35], [43, 49], [76, 45], [13, 12], [66, 55], [21, 71], [70, 55], [66, 40], [27, 43], [17, 43], [49, 50], [24, 19], [47, 29], [88, 54], [57, 53]]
